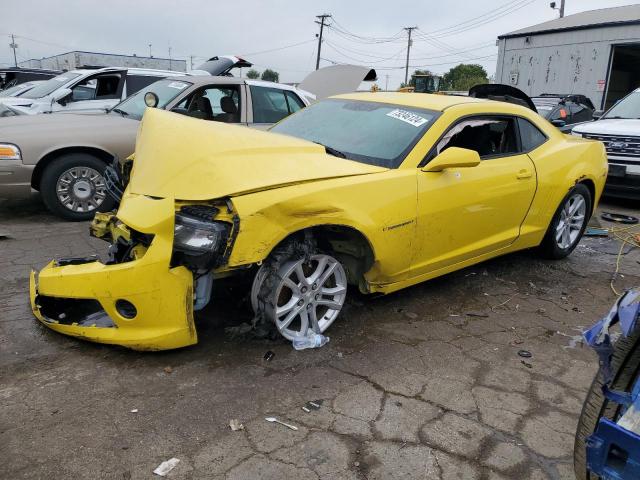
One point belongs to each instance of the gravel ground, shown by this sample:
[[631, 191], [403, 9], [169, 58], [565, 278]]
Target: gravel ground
[[424, 383]]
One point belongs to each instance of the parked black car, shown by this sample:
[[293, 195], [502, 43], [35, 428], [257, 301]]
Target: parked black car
[[564, 110]]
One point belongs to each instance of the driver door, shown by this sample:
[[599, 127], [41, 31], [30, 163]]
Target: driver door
[[466, 212]]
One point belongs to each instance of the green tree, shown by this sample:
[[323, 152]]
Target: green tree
[[270, 75], [464, 76], [253, 74]]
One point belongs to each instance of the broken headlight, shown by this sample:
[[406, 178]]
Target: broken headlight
[[198, 243]]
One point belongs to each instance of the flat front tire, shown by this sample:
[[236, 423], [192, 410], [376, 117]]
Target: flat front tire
[[73, 187], [568, 223]]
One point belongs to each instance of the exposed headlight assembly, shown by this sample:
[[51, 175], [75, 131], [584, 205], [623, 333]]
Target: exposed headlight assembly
[[198, 240], [9, 151]]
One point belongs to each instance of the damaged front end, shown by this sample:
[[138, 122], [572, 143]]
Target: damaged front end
[[158, 270]]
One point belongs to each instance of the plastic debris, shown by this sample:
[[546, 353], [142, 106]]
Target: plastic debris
[[275, 420], [165, 467], [312, 405], [235, 425], [596, 232], [268, 356], [524, 353], [135, 410], [314, 340]]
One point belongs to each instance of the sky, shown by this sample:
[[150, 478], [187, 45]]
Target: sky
[[366, 33]]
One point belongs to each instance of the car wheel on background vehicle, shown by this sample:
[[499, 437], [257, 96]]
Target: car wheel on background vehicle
[[299, 289], [624, 366], [73, 187], [568, 223]]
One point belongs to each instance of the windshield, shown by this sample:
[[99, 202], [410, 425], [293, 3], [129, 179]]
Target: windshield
[[628, 107], [10, 91], [50, 85], [368, 132], [166, 90], [545, 105]]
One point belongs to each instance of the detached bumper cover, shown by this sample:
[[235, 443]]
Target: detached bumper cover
[[162, 296]]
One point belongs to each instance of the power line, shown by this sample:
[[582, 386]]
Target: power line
[[279, 48]]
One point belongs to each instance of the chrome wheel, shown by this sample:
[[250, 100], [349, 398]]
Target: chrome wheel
[[81, 189], [307, 295], [571, 221]]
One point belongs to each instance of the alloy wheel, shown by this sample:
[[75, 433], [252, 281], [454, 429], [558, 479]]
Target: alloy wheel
[[572, 218], [309, 295]]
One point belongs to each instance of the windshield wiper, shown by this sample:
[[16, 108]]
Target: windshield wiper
[[332, 151], [121, 112]]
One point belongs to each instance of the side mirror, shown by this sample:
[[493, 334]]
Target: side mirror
[[453, 157], [558, 123], [151, 100], [60, 94]]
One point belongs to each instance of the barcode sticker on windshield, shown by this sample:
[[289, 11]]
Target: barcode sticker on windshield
[[407, 117], [178, 85]]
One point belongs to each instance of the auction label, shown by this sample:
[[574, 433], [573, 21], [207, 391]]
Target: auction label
[[407, 117]]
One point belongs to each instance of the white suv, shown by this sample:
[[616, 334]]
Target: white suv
[[619, 130], [82, 90]]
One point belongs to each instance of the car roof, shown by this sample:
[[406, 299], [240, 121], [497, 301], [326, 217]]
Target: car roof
[[139, 71], [209, 79], [416, 100]]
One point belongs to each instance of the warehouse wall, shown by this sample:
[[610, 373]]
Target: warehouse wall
[[564, 62], [72, 60]]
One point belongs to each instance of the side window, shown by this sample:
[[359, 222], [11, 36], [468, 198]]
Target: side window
[[294, 102], [489, 136], [220, 103], [108, 87], [85, 90], [135, 83], [530, 136], [269, 104], [561, 112]]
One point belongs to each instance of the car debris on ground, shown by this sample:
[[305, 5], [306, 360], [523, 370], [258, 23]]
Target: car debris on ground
[[165, 467]]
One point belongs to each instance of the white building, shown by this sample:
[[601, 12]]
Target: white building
[[77, 59], [595, 53]]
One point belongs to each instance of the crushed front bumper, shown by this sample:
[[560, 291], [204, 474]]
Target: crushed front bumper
[[86, 300]]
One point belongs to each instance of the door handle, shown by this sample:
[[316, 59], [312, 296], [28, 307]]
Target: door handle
[[524, 173]]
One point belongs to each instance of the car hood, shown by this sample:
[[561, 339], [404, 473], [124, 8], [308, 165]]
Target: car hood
[[26, 125], [336, 79], [613, 126], [190, 159], [17, 101]]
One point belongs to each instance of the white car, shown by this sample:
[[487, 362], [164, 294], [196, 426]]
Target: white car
[[81, 90], [619, 130], [19, 89]]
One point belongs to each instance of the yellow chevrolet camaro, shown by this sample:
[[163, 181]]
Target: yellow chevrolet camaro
[[375, 191]]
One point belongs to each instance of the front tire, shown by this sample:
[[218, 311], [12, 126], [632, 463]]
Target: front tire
[[568, 224], [300, 290], [73, 187]]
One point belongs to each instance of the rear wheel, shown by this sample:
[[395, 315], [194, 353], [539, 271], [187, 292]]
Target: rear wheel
[[568, 224], [625, 366], [300, 291], [73, 187]]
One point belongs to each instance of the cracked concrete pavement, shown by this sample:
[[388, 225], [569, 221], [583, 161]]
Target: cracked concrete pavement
[[425, 383]]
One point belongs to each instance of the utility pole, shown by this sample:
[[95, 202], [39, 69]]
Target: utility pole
[[170, 59], [321, 23], [386, 83], [191, 59], [150, 56], [406, 69], [560, 8], [14, 46]]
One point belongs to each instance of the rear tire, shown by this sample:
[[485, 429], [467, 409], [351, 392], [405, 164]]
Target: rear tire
[[564, 232], [73, 187], [625, 365]]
